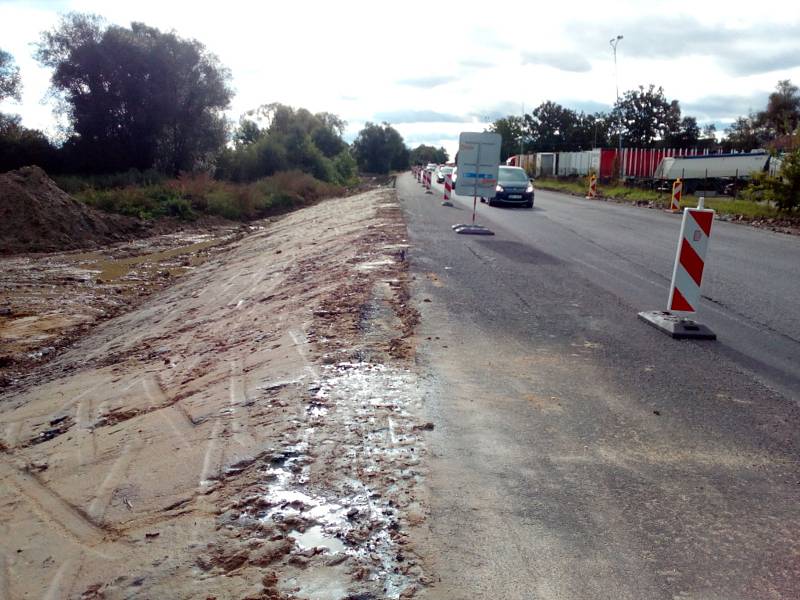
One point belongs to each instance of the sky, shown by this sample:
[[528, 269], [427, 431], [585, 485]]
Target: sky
[[433, 69]]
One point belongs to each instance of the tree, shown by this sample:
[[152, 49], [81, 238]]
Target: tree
[[685, 135], [511, 130], [10, 82], [646, 116], [20, 146], [784, 188], [422, 155], [136, 97], [708, 137], [744, 134], [275, 137], [379, 149], [782, 115]]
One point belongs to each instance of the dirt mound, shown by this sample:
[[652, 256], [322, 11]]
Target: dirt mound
[[37, 216]]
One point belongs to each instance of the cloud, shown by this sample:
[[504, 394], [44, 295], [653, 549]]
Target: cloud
[[471, 63], [747, 63], [587, 106], [419, 116], [432, 138], [427, 82], [563, 61], [715, 107], [497, 111], [759, 48]]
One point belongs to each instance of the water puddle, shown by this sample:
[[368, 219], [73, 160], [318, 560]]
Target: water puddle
[[316, 538], [375, 264], [350, 517], [116, 269]]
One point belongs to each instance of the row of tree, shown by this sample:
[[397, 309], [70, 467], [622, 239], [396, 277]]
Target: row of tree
[[645, 118], [139, 98]]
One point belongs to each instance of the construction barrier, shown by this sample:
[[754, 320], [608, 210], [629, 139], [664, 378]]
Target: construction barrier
[[687, 275], [592, 187], [677, 190], [448, 190], [428, 182]]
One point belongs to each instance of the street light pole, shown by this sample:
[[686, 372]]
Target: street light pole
[[613, 42]]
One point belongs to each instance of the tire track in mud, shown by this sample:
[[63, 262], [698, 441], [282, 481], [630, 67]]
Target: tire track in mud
[[102, 499], [5, 568], [245, 420], [73, 523]]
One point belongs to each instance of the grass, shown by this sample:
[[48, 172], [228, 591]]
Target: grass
[[723, 205], [192, 195]]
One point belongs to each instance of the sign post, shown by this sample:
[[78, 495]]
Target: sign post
[[478, 162]]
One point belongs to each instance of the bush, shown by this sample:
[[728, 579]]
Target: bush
[[784, 189], [72, 184], [190, 195]]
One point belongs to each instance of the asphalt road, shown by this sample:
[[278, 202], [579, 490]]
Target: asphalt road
[[579, 453]]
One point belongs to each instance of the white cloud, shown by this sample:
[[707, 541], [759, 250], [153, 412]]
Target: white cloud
[[362, 59]]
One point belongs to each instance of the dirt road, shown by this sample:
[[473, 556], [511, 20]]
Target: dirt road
[[247, 433]]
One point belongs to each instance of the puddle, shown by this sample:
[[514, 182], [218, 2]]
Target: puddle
[[353, 518], [117, 269], [375, 264], [316, 538]]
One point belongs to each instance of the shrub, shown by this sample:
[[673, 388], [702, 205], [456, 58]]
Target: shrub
[[784, 189], [189, 195]]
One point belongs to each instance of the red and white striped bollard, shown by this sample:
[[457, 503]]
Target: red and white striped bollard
[[448, 188], [687, 277]]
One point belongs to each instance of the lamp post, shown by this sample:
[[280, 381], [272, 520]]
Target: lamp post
[[613, 42]]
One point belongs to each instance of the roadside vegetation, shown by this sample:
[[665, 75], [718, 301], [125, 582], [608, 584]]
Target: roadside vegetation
[[746, 206], [190, 196], [147, 136]]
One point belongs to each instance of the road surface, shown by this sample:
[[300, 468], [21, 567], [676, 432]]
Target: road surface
[[579, 453]]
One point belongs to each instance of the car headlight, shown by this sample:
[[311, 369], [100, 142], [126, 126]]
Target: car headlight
[[499, 188], [529, 189]]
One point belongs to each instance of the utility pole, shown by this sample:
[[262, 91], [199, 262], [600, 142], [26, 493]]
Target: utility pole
[[613, 42]]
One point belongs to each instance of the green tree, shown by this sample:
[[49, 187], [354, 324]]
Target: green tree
[[784, 188], [10, 82], [685, 135], [646, 116], [422, 155], [20, 146], [708, 137], [782, 114], [136, 97], [745, 134], [379, 149], [512, 130], [275, 137]]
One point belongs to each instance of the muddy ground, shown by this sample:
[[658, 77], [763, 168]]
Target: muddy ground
[[48, 300], [249, 431]]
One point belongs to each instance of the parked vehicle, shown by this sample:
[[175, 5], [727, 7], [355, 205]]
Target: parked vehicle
[[714, 172], [453, 177], [513, 187], [442, 172]]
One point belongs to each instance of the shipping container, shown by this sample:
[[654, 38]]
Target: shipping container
[[578, 163]]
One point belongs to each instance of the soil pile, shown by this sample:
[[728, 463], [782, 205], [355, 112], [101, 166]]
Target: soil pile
[[37, 216]]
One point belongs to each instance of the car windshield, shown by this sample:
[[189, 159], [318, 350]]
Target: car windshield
[[513, 174], [446, 170]]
